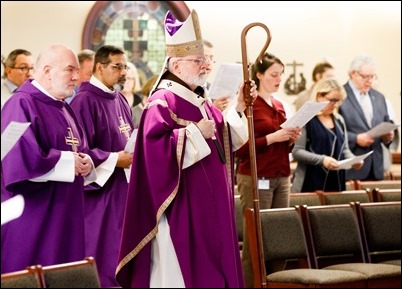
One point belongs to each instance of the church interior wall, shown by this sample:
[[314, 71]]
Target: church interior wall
[[302, 31]]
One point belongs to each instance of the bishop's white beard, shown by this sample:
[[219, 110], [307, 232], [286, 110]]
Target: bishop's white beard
[[192, 79]]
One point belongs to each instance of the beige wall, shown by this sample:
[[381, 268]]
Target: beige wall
[[301, 30]]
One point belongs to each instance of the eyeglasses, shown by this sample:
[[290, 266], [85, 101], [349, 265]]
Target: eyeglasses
[[118, 67], [367, 76], [334, 100], [24, 69], [197, 61]]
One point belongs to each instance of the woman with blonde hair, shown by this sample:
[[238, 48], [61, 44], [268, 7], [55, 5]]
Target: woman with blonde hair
[[323, 143], [132, 85]]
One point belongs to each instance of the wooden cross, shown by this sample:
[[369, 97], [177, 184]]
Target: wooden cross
[[291, 85], [71, 140], [124, 127], [294, 64]]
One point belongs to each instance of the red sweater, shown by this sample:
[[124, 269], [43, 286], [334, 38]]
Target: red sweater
[[272, 160]]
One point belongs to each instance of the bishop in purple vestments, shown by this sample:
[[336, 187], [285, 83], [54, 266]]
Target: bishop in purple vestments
[[179, 227]]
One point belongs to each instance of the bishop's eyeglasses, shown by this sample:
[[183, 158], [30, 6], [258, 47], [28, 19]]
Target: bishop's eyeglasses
[[197, 61]]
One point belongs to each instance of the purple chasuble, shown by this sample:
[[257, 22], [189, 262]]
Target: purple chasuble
[[101, 115], [51, 228], [198, 201]]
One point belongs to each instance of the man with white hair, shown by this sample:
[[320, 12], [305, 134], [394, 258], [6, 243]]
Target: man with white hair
[[363, 109], [179, 228], [47, 166]]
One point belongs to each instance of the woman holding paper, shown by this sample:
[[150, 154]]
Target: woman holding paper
[[323, 143]]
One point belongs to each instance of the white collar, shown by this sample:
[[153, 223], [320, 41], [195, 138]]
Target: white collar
[[182, 92]]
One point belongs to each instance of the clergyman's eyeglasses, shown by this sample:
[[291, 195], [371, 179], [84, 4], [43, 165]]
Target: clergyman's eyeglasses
[[24, 69], [119, 66]]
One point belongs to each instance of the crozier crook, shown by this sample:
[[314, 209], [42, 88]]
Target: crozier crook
[[253, 164]]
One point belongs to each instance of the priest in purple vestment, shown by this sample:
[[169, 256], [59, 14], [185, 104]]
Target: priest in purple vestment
[[47, 166], [106, 118], [179, 226]]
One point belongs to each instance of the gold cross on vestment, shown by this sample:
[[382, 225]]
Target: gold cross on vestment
[[71, 140], [124, 127]]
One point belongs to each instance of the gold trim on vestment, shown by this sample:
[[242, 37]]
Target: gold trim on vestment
[[227, 149], [185, 49], [166, 203]]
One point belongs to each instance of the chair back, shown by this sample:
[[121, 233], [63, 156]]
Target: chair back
[[31, 277], [79, 274], [345, 197], [333, 233], [351, 185], [239, 220], [381, 230], [308, 198], [383, 184], [282, 238], [387, 195], [395, 175]]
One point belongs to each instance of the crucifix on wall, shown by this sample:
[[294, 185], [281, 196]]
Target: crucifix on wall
[[292, 85]]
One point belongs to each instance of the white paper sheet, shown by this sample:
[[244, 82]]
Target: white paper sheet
[[304, 114], [12, 209], [131, 142], [382, 128], [227, 81], [347, 163], [11, 135], [130, 149]]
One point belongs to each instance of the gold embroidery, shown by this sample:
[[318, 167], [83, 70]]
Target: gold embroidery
[[161, 210], [227, 149], [71, 140], [124, 127]]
